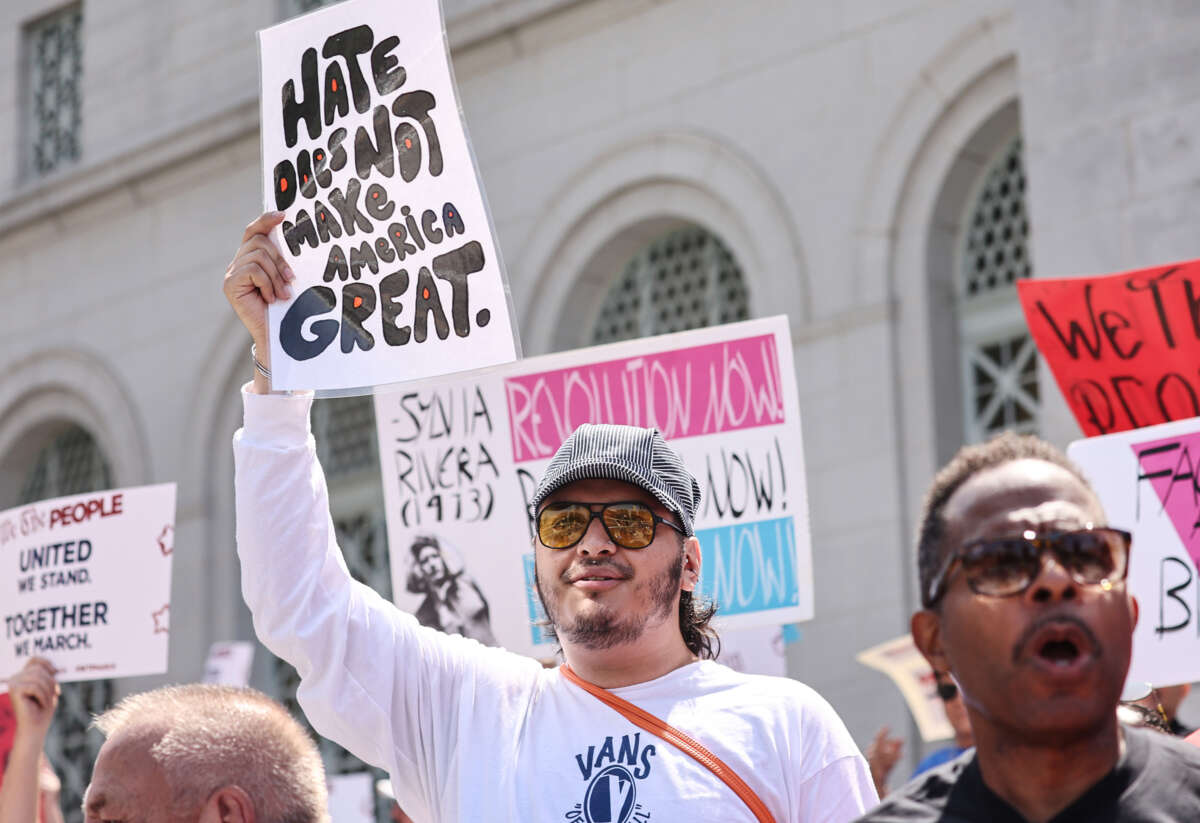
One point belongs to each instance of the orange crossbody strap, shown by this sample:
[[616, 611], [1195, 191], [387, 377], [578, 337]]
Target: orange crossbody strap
[[644, 720]]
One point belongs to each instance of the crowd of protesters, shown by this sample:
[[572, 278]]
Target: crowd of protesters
[[1025, 620]]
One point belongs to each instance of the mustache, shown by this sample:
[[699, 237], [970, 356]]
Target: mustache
[[612, 564], [1041, 623]]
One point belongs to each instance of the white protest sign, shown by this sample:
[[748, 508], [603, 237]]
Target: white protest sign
[[87, 582], [900, 660], [461, 456], [756, 650], [364, 150], [351, 798], [1147, 482], [229, 664]]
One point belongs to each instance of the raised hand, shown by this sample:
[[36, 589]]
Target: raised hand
[[257, 276], [34, 692]]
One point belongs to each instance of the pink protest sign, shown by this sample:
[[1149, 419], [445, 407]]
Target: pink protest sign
[[1169, 465], [687, 392], [1146, 479]]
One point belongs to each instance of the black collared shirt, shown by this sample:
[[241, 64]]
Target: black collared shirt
[[1157, 780]]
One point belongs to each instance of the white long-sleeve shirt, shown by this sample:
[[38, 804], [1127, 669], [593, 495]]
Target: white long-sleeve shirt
[[473, 733]]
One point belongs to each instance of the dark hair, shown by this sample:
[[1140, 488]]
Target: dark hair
[[970, 461], [422, 541], [695, 615]]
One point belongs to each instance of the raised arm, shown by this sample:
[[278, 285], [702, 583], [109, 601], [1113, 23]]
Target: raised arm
[[34, 694], [371, 678]]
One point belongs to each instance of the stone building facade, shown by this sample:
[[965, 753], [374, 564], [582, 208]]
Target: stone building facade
[[881, 171]]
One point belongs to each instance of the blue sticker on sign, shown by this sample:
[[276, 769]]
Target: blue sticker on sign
[[750, 567], [537, 615]]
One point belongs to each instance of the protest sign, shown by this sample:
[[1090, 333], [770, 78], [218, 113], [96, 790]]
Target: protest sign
[[900, 660], [87, 582], [229, 664], [1147, 482], [386, 228], [757, 650], [460, 458], [1125, 348]]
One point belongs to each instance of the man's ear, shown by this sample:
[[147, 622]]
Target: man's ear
[[228, 804], [926, 626], [691, 565]]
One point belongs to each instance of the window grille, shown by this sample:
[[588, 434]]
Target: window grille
[[999, 359], [72, 463], [54, 46], [998, 230], [344, 429], [345, 432], [686, 279]]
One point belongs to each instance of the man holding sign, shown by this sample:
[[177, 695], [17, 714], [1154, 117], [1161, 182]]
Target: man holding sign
[[1026, 607], [469, 732]]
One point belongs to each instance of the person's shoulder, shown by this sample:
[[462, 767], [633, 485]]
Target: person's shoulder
[[1167, 775], [1163, 751], [925, 797]]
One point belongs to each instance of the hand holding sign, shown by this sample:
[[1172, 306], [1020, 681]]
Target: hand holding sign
[[256, 277], [34, 693]]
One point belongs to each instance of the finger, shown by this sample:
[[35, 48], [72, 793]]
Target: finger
[[268, 263], [262, 224], [266, 244], [34, 693], [249, 277], [42, 667], [261, 281], [264, 264]]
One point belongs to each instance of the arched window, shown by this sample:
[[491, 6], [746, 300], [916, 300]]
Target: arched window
[[685, 279], [999, 358], [72, 463], [347, 445]]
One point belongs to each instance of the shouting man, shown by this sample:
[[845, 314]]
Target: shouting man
[[476, 733], [1023, 585]]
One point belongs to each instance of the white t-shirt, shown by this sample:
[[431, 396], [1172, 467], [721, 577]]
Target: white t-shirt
[[473, 733]]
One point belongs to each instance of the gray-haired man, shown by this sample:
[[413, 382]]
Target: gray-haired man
[[474, 733]]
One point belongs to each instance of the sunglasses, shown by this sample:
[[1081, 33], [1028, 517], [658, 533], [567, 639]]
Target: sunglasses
[[629, 524], [1005, 566]]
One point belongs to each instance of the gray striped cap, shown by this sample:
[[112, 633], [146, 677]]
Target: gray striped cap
[[631, 454]]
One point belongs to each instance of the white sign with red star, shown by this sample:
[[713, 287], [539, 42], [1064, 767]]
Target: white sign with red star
[[85, 581]]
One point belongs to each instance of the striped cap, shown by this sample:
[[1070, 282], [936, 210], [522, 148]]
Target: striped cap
[[631, 454]]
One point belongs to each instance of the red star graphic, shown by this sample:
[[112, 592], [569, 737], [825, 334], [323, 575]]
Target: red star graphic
[[162, 620], [166, 540]]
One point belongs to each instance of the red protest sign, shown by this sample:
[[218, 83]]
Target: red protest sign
[[1124, 348], [8, 730]]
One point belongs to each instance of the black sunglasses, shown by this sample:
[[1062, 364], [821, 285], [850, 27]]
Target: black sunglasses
[[1005, 566], [629, 524]]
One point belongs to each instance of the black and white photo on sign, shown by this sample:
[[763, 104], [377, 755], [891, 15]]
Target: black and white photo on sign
[[451, 600]]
